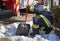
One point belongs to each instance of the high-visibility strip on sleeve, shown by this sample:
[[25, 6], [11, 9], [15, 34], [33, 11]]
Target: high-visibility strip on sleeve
[[35, 26], [46, 20], [42, 28], [31, 8]]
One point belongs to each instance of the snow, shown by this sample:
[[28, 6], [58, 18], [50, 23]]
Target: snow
[[2, 29], [36, 38], [30, 22], [9, 31]]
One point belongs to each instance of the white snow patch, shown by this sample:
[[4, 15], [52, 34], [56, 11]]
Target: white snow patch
[[9, 31], [2, 29], [30, 22], [2, 35]]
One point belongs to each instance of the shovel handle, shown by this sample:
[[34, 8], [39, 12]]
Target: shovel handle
[[26, 15], [26, 12]]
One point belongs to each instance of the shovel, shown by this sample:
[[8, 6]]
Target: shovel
[[23, 28]]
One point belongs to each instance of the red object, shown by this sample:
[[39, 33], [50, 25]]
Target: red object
[[41, 1], [10, 5], [5, 0], [16, 10], [26, 12]]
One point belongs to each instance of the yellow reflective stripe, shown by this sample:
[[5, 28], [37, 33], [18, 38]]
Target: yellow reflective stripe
[[42, 28], [31, 8], [35, 26], [46, 20]]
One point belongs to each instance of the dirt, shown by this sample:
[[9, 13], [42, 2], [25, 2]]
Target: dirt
[[4, 39], [16, 20]]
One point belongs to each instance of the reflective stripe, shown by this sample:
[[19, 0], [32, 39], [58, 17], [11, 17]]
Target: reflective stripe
[[46, 20], [31, 8], [35, 26], [42, 28]]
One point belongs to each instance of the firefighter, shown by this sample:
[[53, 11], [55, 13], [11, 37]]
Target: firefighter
[[41, 23]]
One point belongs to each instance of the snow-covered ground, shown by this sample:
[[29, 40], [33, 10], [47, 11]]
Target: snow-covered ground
[[9, 31]]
